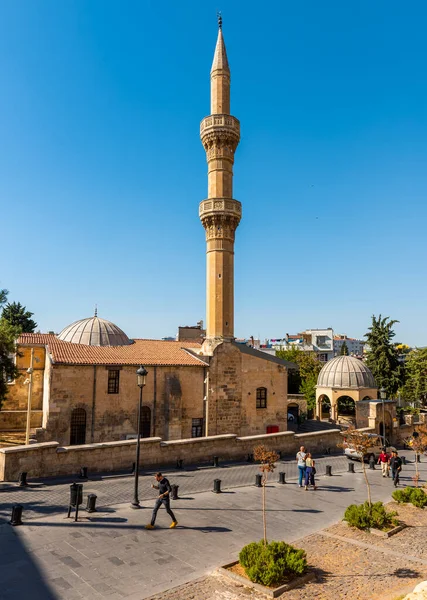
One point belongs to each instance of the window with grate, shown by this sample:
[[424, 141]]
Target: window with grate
[[78, 427], [197, 428], [261, 397], [113, 381]]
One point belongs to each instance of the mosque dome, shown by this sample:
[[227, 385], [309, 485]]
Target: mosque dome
[[94, 332], [346, 372]]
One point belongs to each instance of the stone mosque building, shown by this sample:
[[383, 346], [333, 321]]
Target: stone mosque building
[[84, 386]]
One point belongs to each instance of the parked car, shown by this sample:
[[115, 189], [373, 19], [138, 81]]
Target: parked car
[[374, 450]]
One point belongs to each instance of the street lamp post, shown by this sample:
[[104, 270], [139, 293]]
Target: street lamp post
[[30, 394], [141, 374], [383, 395]]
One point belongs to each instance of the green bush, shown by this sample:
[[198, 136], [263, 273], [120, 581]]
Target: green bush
[[402, 496], [418, 497], [364, 516], [272, 564]]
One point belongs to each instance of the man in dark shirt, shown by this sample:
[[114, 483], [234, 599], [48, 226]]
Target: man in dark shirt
[[396, 467], [164, 488]]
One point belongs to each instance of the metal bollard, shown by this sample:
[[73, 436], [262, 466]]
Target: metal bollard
[[217, 486], [328, 470], [282, 477], [76, 498], [22, 481], [179, 463], [258, 478], [372, 462], [404, 460], [133, 468], [174, 491], [16, 515], [351, 467], [419, 458], [83, 473], [91, 503], [215, 461]]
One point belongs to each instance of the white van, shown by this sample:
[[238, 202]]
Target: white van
[[375, 450]]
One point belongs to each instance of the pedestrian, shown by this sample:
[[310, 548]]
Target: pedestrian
[[396, 467], [310, 471], [384, 460], [301, 456], [164, 488]]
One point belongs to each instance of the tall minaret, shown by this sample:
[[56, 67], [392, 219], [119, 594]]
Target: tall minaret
[[220, 213]]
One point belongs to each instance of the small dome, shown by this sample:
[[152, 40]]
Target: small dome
[[94, 332], [346, 372]]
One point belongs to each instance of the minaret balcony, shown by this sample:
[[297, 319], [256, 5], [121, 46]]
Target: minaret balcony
[[214, 123], [223, 206]]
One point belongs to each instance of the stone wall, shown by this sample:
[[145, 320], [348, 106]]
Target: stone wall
[[50, 459]]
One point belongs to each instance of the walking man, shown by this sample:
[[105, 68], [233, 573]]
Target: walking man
[[301, 456], [396, 467], [164, 488], [383, 461]]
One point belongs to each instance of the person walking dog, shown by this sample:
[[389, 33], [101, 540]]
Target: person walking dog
[[301, 456], [164, 488]]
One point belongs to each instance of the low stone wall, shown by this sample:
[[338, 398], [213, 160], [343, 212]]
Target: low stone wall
[[49, 459]]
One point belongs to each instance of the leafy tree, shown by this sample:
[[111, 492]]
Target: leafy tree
[[415, 387], [305, 379], [19, 316], [362, 443], [382, 355], [344, 350], [8, 335], [267, 458]]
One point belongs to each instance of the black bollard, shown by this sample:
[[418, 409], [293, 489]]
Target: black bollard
[[83, 473], [282, 477], [250, 458], [351, 467], [328, 470], [215, 461], [404, 460], [133, 468], [174, 491], [217, 486], [22, 481], [76, 498], [372, 462], [179, 463], [258, 478], [91, 503], [419, 458], [16, 515]]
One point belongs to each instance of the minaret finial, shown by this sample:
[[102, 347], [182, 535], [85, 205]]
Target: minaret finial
[[218, 14], [96, 310]]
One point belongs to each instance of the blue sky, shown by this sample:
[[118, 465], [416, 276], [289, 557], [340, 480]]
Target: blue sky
[[102, 169]]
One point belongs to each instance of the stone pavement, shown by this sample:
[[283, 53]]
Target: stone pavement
[[110, 555], [52, 496]]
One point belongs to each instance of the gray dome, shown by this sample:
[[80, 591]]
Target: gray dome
[[94, 332], [346, 372]]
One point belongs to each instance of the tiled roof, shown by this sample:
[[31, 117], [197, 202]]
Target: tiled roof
[[146, 352]]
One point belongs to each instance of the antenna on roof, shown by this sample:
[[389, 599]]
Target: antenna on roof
[[219, 16], [96, 310]]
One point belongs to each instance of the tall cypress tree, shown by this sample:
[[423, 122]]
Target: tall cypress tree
[[344, 350], [382, 355], [8, 335]]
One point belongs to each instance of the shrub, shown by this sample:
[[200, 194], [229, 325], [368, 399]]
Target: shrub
[[402, 496], [418, 497], [272, 564], [364, 516]]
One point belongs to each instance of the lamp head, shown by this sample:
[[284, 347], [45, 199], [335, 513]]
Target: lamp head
[[383, 393], [141, 374]]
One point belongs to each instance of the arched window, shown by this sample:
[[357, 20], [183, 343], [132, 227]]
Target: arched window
[[145, 422], [261, 397], [78, 427]]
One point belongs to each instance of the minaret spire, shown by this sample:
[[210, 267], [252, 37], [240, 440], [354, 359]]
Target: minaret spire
[[220, 213]]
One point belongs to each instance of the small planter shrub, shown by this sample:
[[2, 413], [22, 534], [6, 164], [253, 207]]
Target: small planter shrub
[[418, 497], [364, 516], [272, 564], [402, 496]]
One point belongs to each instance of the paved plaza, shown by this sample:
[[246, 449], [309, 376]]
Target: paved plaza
[[110, 555]]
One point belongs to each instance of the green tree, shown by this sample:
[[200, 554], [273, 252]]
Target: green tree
[[8, 335], [19, 316], [305, 379], [415, 386], [344, 350], [382, 355]]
